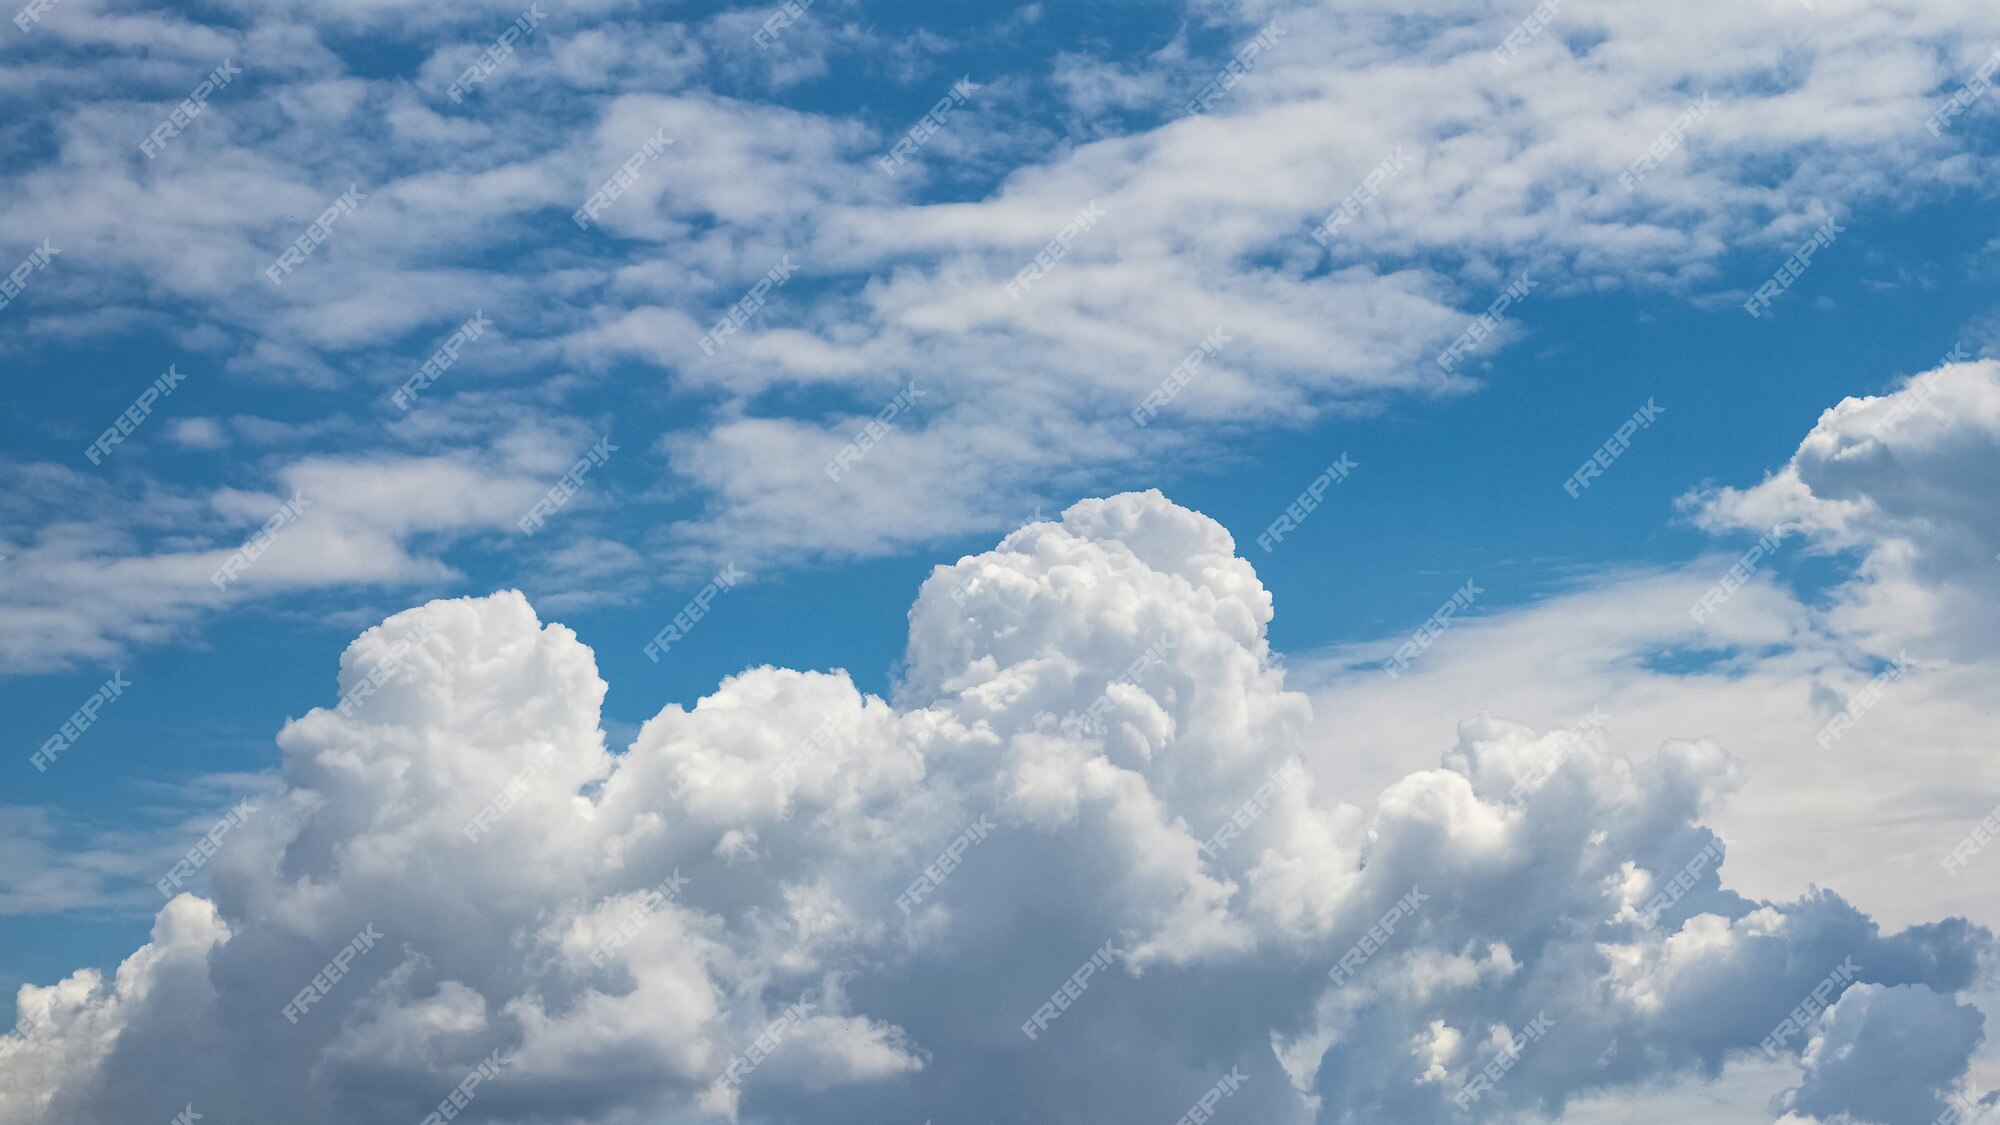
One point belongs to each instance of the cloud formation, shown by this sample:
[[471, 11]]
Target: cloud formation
[[1508, 167], [707, 925], [1901, 481]]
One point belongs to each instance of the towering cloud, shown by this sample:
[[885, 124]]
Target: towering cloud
[[1074, 867]]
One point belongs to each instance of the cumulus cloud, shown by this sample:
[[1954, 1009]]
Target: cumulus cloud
[[1872, 1041], [1090, 760], [1884, 512], [1902, 481]]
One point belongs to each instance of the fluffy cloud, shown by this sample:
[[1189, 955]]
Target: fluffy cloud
[[708, 925], [1869, 1045], [1902, 481], [1885, 511]]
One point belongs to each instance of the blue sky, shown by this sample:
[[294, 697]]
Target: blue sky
[[464, 208]]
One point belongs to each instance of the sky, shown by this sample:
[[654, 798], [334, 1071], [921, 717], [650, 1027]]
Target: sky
[[731, 563]]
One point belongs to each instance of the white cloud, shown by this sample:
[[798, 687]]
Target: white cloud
[[1903, 481], [1892, 484], [1766, 671], [1101, 688], [100, 570], [1819, 113]]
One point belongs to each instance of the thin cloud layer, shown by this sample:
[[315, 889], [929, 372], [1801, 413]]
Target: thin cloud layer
[[1512, 157], [460, 879]]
